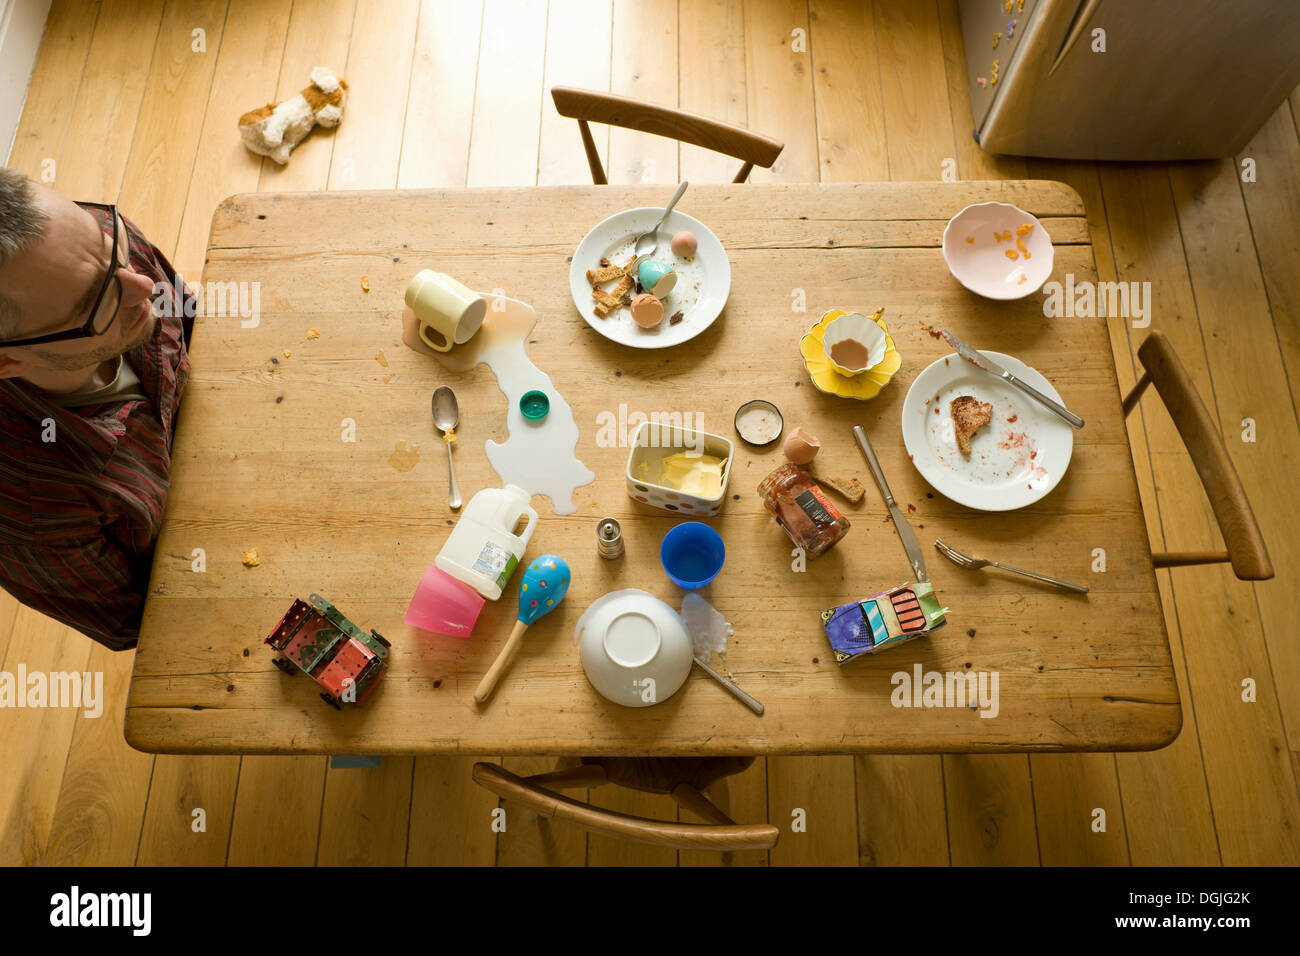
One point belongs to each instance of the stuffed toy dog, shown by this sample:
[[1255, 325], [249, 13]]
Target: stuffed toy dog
[[275, 129]]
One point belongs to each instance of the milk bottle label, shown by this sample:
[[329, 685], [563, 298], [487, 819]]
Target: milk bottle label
[[495, 560]]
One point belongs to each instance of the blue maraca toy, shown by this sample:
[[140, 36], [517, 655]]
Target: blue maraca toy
[[543, 586]]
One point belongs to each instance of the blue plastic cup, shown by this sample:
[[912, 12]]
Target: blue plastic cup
[[692, 553]]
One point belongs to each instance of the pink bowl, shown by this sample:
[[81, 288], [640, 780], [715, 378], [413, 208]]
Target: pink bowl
[[978, 259]]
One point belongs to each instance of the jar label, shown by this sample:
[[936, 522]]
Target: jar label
[[820, 511]]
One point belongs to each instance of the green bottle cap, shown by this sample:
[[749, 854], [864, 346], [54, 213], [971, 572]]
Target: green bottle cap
[[535, 405]]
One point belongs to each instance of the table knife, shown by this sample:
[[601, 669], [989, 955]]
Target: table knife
[[905, 533], [982, 361]]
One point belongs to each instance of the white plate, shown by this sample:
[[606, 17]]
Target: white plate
[[702, 287], [1015, 460]]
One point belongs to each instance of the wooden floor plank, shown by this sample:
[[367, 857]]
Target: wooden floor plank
[[508, 101], [779, 87], [36, 738], [166, 139], [101, 804], [1078, 810], [366, 814], [850, 104], [245, 76], [990, 810], [320, 33], [440, 105], [902, 819], [52, 93], [1273, 203], [915, 89], [451, 815], [108, 101], [578, 37], [644, 65], [811, 800], [368, 142], [277, 817], [711, 80], [190, 811]]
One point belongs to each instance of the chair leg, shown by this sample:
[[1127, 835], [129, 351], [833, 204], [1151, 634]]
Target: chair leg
[[571, 778], [1133, 397], [744, 173], [1182, 559], [593, 155], [688, 798]]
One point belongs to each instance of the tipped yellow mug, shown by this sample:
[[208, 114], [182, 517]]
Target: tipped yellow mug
[[448, 312]]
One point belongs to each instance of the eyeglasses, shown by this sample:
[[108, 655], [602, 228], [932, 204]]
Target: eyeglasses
[[104, 310]]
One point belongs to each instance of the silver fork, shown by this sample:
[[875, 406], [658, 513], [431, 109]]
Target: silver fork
[[966, 561]]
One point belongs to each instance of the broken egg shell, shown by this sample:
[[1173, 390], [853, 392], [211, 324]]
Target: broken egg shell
[[647, 311], [656, 277], [800, 447], [685, 244]]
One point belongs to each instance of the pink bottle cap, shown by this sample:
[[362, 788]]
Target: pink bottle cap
[[444, 605]]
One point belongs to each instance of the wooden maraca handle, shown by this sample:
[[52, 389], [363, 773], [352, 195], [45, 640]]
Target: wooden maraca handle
[[489, 682]]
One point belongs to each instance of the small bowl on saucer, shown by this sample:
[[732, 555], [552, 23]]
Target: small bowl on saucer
[[634, 648], [853, 343], [998, 250]]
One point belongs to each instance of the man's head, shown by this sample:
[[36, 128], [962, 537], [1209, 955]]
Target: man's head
[[54, 257]]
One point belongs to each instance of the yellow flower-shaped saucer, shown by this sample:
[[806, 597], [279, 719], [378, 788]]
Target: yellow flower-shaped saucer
[[865, 384]]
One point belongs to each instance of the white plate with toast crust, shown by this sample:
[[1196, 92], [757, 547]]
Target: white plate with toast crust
[[1015, 460], [703, 281]]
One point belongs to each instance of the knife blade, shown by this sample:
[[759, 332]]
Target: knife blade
[[905, 533], [984, 363]]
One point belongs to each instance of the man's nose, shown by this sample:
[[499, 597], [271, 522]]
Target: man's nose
[[135, 288]]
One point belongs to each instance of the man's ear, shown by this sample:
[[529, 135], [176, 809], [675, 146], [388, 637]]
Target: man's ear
[[11, 367]]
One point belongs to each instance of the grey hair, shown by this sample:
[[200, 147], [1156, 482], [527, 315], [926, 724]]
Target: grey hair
[[21, 222]]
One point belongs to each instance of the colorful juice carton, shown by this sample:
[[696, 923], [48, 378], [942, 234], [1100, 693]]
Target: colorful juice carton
[[883, 620]]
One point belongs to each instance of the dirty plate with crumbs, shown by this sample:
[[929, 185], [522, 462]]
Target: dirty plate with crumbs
[[1016, 459], [703, 281]]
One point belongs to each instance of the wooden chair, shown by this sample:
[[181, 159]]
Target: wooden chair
[[1227, 497], [592, 106], [683, 779]]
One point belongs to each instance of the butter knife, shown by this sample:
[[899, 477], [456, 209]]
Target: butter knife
[[982, 361], [905, 533]]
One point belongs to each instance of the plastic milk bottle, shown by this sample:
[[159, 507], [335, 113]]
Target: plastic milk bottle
[[487, 541]]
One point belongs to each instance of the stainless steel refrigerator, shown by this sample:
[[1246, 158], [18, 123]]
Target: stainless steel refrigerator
[[1127, 79]]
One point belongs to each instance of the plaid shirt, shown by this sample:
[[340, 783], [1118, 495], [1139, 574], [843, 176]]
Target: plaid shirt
[[82, 489]]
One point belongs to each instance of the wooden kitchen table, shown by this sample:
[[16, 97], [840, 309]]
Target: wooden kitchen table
[[260, 462]]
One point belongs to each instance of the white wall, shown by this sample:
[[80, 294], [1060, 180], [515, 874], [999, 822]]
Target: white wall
[[22, 22]]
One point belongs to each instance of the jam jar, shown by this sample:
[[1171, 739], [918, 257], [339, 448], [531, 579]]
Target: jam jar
[[802, 509]]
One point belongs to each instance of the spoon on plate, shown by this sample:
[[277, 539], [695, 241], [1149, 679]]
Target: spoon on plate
[[446, 416], [648, 242]]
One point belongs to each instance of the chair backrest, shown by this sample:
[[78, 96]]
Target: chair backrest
[[1246, 550], [722, 834], [593, 106]]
